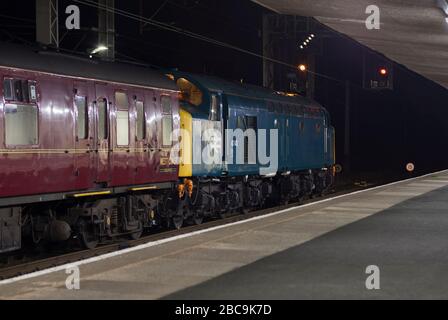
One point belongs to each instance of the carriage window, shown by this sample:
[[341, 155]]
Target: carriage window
[[167, 121], [21, 123], [121, 100], [122, 113], [7, 89], [141, 121], [122, 128], [102, 119], [166, 105], [32, 91], [19, 90], [82, 117], [167, 124], [215, 112]]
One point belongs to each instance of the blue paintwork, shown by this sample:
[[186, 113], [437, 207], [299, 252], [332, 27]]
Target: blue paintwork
[[298, 149]]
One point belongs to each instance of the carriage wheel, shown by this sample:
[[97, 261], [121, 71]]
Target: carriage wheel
[[88, 235]]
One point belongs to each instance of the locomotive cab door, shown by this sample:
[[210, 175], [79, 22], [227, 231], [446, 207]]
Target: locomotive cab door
[[102, 135]]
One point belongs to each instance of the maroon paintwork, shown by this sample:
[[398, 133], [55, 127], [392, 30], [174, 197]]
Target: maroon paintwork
[[60, 163]]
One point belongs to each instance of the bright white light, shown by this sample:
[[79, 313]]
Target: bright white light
[[301, 47], [312, 35], [305, 43], [309, 38], [443, 5], [99, 49]]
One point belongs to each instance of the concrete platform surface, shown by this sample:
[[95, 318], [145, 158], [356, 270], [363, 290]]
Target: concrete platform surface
[[320, 250]]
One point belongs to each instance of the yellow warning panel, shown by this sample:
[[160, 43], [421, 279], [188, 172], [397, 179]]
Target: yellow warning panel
[[186, 144]]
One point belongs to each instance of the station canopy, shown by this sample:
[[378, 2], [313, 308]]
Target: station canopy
[[413, 33]]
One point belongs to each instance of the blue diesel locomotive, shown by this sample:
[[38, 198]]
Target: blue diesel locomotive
[[243, 146]]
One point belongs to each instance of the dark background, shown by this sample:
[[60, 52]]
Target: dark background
[[389, 128]]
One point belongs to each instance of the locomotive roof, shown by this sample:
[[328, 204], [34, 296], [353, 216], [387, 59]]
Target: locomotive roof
[[68, 65], [211, 83]]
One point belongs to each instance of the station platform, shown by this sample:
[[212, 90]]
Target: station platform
[[316, 251]]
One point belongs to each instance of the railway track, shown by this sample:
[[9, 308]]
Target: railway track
[[36, 265]]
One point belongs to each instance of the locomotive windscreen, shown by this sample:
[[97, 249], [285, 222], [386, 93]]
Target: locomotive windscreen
[[189, 92]]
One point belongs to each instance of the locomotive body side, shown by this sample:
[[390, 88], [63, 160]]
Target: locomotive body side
[[300, 153], [304, 134]]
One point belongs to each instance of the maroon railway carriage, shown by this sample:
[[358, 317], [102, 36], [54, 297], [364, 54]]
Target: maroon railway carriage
[[84, 146]]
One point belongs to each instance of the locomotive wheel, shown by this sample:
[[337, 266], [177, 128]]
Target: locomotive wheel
[[183, 211], [177, 220], [89, 237], [198, 218], [137, 234]]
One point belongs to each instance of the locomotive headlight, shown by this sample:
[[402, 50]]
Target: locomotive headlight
[[302, 67]]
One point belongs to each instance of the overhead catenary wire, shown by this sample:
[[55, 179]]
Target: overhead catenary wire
[[190, 34], [168, 27]]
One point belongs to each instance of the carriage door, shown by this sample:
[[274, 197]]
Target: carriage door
[[84, 136], [102, 133], [143, 169], [123, 156]]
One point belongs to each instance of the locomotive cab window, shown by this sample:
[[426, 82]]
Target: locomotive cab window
[[167, 120], [215, 108], [122, 105], [189, 92], [81, 117]]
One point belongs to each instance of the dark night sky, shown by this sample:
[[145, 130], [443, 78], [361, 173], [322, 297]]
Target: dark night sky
[[390, 128]]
